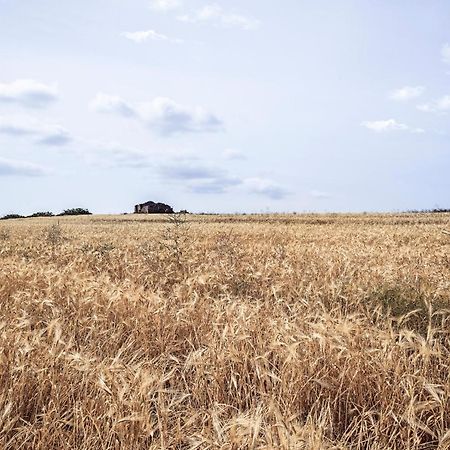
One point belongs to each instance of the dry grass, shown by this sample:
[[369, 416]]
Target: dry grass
[[282, 332]]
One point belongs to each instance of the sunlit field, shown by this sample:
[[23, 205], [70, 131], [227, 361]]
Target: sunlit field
[[225, 332]]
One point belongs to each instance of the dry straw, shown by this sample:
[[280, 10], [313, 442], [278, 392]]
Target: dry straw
[[279, 332]]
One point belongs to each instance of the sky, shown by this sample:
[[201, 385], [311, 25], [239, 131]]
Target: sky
[[224, 106]]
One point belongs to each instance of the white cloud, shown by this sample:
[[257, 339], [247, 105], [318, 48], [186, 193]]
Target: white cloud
[[233, 154], [143, 36], [217, 185], [170, 165], [162, 114], [265, 187], [384, 125], [216, 14], [43, 133], [441, 105], [189, 170], [165, 5], [381, 126], [206, 178], [197, 176], [29, 93], [445, 53], [407, 93], [11, 167], [185, 169], [426, 107], [55, 135], [169, 117], [106, 103]]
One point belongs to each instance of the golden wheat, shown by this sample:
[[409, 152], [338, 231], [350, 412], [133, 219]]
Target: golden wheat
[[225, 332]]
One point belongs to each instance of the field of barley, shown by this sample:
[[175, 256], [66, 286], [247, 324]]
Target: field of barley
[[225, 332]]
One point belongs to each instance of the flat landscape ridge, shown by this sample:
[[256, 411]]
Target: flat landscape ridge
[[225, 332]]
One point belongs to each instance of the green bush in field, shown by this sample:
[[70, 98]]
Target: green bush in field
[[12, 216], [42, 214], [76, 212]]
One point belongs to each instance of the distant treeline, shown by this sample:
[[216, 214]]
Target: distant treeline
[[429, 211], [66, 212]]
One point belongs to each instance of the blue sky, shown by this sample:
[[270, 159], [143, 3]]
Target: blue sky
[[254, 105]]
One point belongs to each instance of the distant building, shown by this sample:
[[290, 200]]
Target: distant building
[[153, 208]]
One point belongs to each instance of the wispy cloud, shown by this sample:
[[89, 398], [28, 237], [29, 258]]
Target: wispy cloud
[[189, 170], [321, 195], [441, 105], [163, 115], [29, 93], [12, 167], [217, 15], [218, 185], [113, 154], [42, 133], [198, 177], [407, 93], [382, 126], [169, 117], [165, 5], [193, 173], [265, 187], [140, 37], [445, 53], [201, 178], [232, 154]]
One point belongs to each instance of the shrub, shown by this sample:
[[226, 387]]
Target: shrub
[[54, 235], [12, 216], [430, 211], [42, 214], [76, 212]]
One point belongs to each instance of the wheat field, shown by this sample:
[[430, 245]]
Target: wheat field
[[225, 332]]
